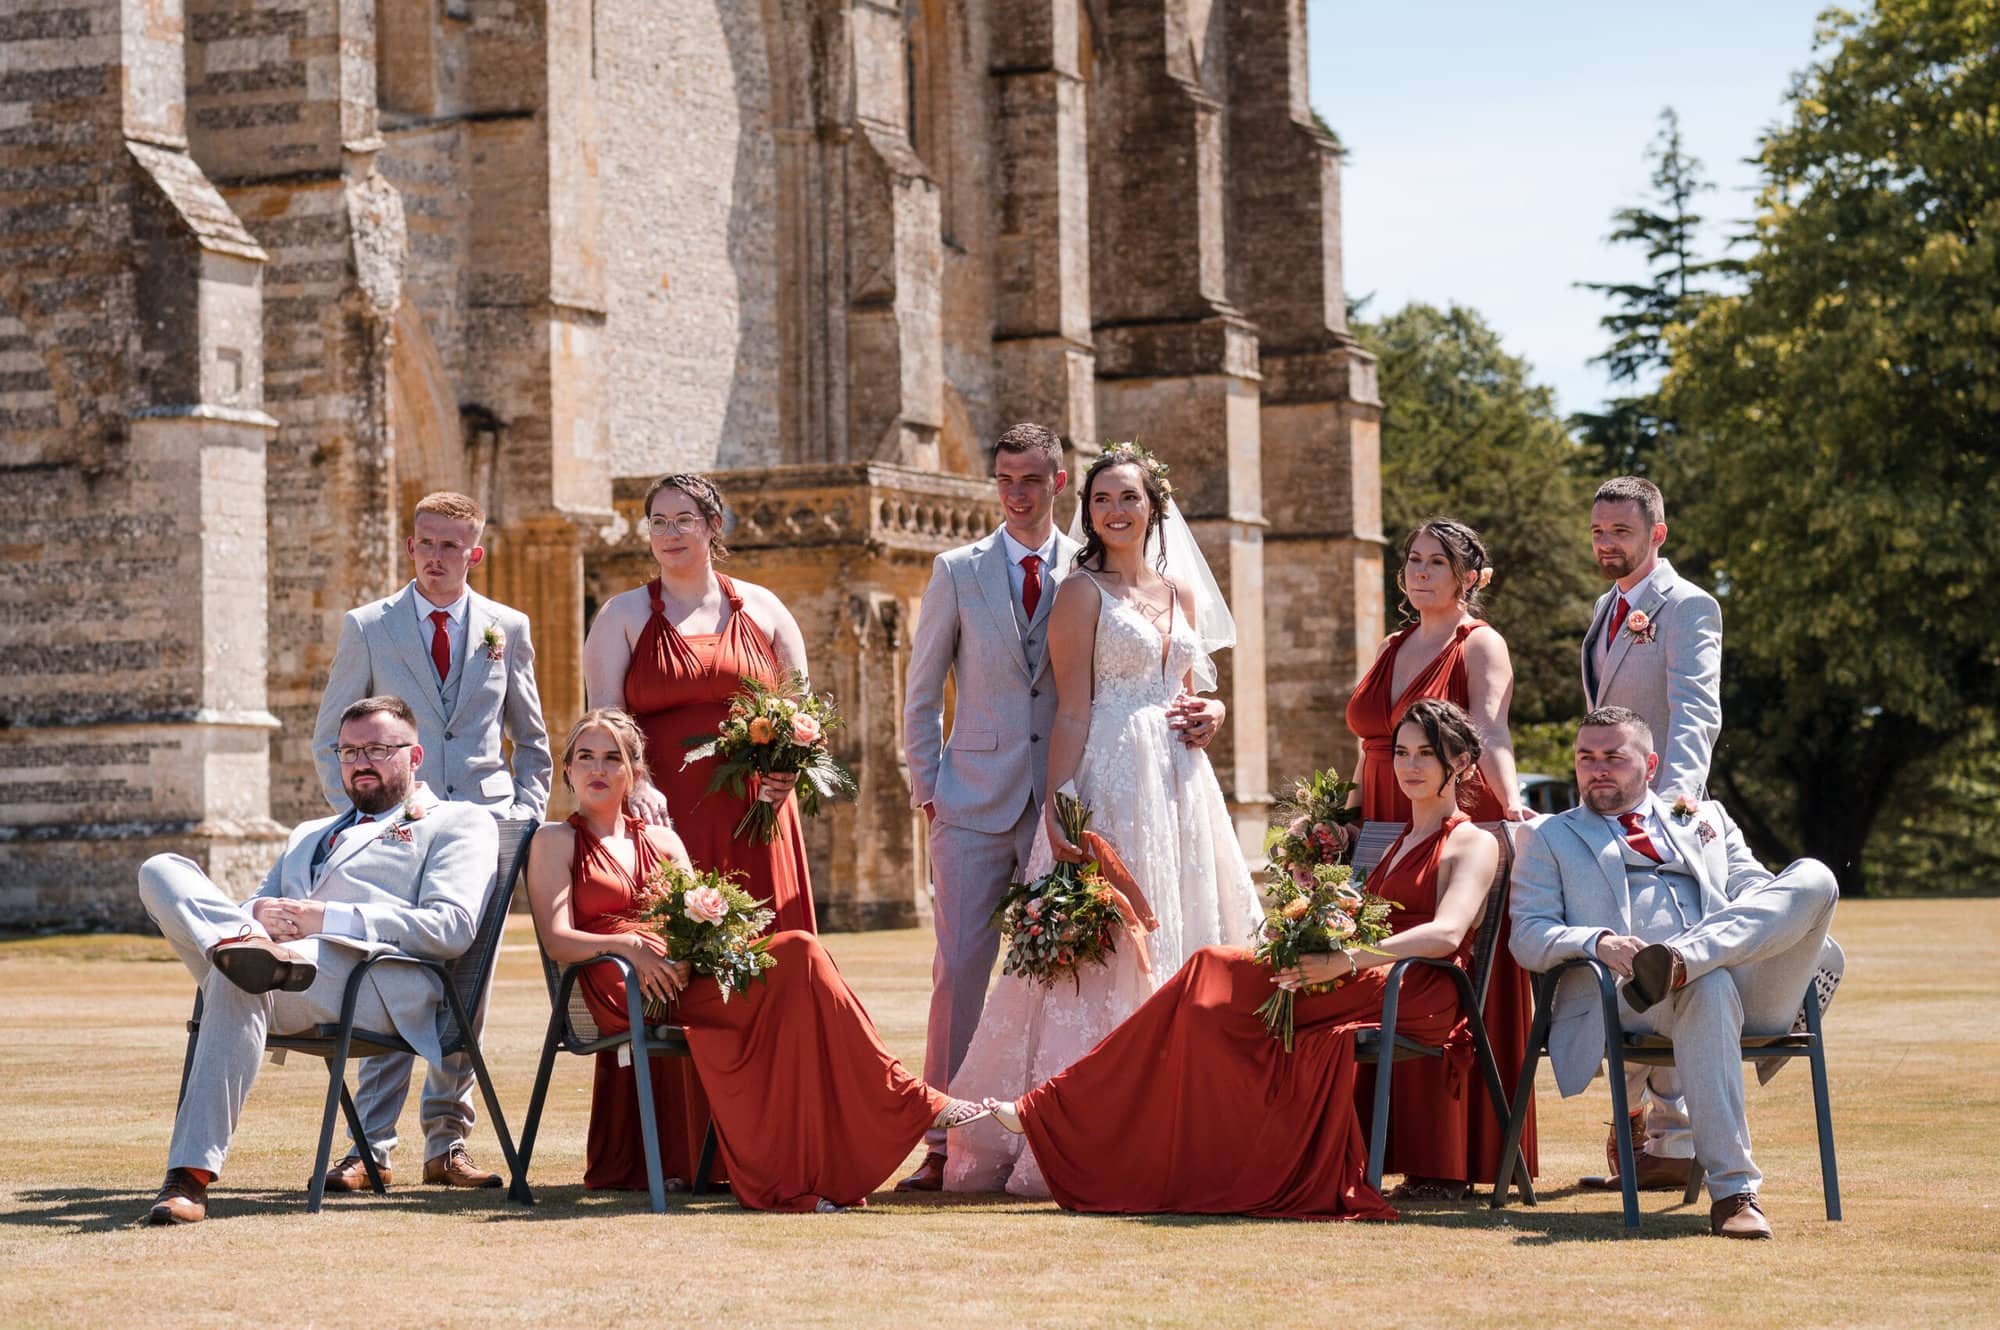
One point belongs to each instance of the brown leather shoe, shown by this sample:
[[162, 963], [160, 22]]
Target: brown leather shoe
[[1738, 1216], [1654, 1173], [1656, 971], [258, 965], [928, 1177], [350, 1174], [454, 1168], [182, 1200]]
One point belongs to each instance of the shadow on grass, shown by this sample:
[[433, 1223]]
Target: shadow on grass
[[104, 1209]]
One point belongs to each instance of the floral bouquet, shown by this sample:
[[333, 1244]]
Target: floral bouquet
[[774, 730], [1330, 913], [709, 921], [1072, 915], [1316, 827]]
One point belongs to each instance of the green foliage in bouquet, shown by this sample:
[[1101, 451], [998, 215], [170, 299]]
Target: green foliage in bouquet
[[1312, 827], [1331, 914], [1067, 918], [774, 731], [708, 920]]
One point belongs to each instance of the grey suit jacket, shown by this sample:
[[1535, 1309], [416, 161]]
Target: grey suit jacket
[[383, 650], [421, 896], [1674, 681], [1569, 889], [970, 627]]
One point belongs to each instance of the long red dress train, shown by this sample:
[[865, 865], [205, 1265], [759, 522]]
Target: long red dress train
[[807, 1101], [678, 687], [1191, 1107], [1423, 1141]]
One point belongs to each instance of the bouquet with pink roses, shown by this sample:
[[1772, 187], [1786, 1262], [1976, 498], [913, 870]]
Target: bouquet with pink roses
[[774, 731], [1330, 911], [1314, 827], [708, 920]]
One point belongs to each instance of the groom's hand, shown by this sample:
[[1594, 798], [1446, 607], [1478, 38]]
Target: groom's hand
[[1197, 718]]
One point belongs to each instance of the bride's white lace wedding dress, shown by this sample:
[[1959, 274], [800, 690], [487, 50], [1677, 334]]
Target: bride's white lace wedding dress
[[1157, 801]]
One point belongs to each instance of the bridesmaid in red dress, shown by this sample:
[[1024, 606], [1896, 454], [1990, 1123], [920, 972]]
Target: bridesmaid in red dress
[[1191, 1107], [811, 1110], [673, 653], [1452, 654]]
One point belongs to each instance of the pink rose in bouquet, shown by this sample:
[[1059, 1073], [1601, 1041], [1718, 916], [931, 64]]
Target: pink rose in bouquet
[[707, 905]]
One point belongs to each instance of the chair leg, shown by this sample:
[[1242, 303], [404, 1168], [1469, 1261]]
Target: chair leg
[[517, 1187], [485, 1080], [362, 1144], [1512, 1165], [1696, 1177], [1385, 1071], [706, 1167], [187, 1064], [649, 1123], [1829, 1167], [1614, 1036], [336, 1091]]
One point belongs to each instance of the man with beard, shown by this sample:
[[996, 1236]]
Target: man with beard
[[466, 666], [1710, 944], [1655, 647], [400, 870]]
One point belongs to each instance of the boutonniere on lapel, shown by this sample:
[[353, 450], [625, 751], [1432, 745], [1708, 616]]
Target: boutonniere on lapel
[[1639, 626], [493, 643], [400, 828], [1684, 808]]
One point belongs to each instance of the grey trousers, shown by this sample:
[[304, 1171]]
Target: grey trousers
[[1747, 969], [970, 871], [194, 914], [383, 1084]]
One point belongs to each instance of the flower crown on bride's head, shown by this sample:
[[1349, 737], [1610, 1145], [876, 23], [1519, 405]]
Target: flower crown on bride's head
[[1115, 454]]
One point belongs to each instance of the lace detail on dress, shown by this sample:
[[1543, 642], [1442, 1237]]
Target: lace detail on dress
[[1157, 801]]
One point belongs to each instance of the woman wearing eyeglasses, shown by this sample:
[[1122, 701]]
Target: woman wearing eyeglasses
[[673, 653]]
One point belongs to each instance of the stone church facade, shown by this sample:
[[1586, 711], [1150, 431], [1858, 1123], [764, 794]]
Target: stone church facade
[[272, 269]]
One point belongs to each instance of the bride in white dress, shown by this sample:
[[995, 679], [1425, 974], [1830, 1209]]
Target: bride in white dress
[[1127, 641]]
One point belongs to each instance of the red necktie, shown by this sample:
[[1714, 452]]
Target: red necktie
[[440, 643], [1031, 583], [1636, 837], [1618, 613]]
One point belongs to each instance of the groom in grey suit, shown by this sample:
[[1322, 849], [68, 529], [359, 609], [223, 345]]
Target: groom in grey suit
[[1655, 647], [984, 623], [466, 666], [1709, 942], [399, 870]]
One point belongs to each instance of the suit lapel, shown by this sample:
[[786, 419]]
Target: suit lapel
[[1649, 605], [1598, 618], [1609, 852], [999, 596], [479, 617], [400, 615], [1051, 578]]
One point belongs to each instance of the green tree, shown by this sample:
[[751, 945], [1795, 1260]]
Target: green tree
[[1623, 438], [1839, 422], [1466, 434]]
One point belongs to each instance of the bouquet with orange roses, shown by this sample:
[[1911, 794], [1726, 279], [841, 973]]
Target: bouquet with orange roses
[[1332, 913], [708, 920], [1074, 914], [774, 731]]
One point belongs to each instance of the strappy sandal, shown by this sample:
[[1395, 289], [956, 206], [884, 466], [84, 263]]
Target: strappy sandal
[[958, 1113], [1005, 1114]]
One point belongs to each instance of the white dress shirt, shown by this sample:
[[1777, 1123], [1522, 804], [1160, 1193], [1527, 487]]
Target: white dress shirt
[[454, 627], [1017, 576], [343, 919]]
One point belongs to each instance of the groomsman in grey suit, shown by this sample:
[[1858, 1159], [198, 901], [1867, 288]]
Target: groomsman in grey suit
[[1655, 647], [1655, 639], [398, 870], [1709, 943], [466, 666], [984, 623]]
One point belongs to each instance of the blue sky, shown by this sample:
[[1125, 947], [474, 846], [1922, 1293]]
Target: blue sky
[[1490, 144]]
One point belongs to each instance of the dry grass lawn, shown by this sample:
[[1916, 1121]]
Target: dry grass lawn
[[92, 1038]]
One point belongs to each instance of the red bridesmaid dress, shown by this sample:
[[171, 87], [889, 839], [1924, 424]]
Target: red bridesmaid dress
[[1191, 1107], [807, 1101], [679, 687], [1432, 1135]]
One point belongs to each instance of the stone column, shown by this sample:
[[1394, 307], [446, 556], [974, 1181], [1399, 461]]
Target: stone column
[[133, 713], [849, 550], [1042, 349], [1320, 416], [1177, 365]]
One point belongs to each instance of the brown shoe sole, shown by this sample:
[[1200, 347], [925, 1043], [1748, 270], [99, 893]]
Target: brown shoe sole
[[260, 969], [162, 1215]]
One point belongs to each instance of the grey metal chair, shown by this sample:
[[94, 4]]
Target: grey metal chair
[[1374, 1047], [1653, 1050], [572, 1029], [466, 980]]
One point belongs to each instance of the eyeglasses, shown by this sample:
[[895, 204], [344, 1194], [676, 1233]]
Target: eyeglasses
[[684, 525], [349, 754]]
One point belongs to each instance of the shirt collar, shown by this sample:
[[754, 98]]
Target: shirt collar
[[1644, 809], [456, 609], [1016, 551], [1639, 589]]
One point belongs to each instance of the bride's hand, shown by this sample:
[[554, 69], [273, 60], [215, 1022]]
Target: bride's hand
[[1060, 845]]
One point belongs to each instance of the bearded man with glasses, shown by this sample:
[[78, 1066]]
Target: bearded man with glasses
[[400, 869]]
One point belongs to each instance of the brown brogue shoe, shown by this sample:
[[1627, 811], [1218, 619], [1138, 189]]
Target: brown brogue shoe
[[1653, 1173], [351, 1174], [1656, 971], [454, 1168], [259, 965], [1738, 1216], [182, 1200], [928, 1177]]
